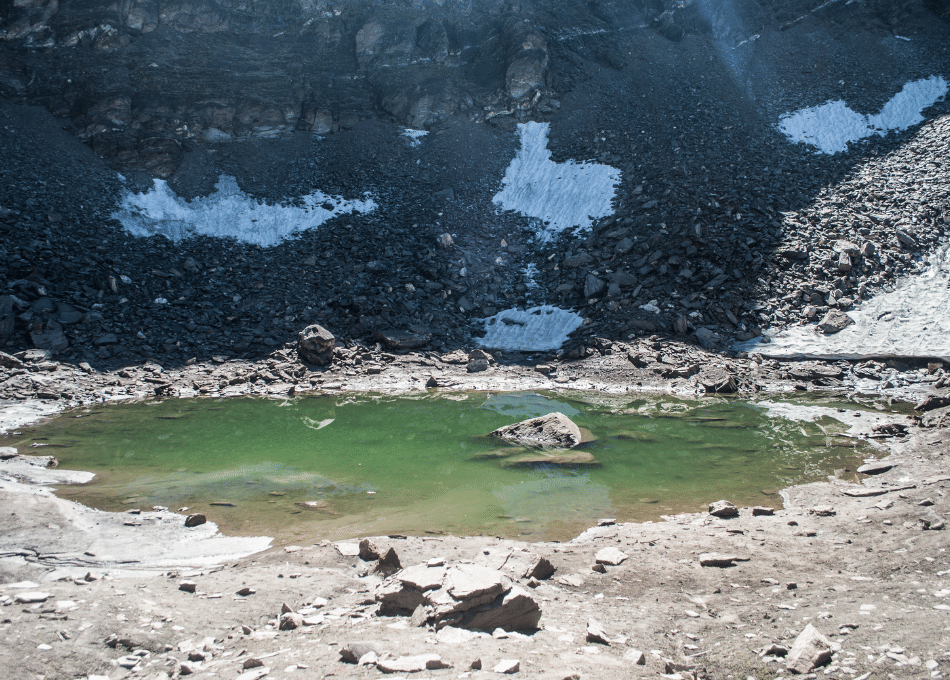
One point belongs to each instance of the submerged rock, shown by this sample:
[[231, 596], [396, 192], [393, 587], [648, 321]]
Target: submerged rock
[[553, 431]]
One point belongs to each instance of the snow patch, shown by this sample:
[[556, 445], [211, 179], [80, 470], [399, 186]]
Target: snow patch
[[561, 195], [833, 125], [415, 136], [911, 321], [228, 213], [530, 330]]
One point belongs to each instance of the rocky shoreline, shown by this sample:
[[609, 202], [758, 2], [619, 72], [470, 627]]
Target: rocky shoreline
[[856, 571]]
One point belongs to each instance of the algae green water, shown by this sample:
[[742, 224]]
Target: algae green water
[[346, 466]]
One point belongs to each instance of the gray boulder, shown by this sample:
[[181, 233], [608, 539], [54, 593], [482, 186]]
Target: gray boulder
[[553, 431]]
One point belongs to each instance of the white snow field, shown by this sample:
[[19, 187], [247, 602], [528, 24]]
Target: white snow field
[[911, 321], [228, 212], [833, 125], [530, 330], [561, 195]]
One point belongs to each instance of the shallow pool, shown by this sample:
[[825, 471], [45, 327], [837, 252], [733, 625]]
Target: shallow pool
[[350, 465]]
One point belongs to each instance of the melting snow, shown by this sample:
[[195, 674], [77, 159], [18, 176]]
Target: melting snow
[[910, 321], [536, 329], [831, 126], [562, 195], [415, 136], [228, 212]]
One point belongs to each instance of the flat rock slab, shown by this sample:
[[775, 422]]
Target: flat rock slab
[[720, 560], [412, 664], [553, 458], [875, 468], [610, 556], [507, 666], [348, 549]]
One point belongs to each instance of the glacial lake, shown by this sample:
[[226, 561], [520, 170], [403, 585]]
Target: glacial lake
[[347, 465]]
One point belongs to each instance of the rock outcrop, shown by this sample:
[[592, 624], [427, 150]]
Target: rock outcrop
[[463, 596]]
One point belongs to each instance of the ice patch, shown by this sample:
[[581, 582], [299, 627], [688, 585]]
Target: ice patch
[[228, 213], [832, 126], [531, 330], [911, 321], [415, 136], [561, 195]]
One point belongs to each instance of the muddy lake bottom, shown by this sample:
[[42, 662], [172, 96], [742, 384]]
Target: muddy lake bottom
[[343, 466]]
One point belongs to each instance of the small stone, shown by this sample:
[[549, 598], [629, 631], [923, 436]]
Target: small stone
[[635, 656], [32, 597], [252, 662], [723, 509], [717, 560], [823, 511], [762, 511], [187, 586], [599, 568], [834, 322], [507, 666], [290, 621], [354, 651], [244, 592], [596, 632]]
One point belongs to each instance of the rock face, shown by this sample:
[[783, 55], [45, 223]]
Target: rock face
[[553, 431], [315, 345], [464, 596]]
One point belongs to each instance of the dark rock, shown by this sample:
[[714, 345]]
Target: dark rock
[[315, 345], [931, 402], [354, 651], [195, 520], [402, 339], [593, 286], [50, 337], [834, 322]]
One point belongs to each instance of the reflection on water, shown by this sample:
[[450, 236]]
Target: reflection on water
[[349, 465]]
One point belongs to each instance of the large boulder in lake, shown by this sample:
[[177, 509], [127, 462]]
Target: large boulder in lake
[[315, 345], [553, 431]]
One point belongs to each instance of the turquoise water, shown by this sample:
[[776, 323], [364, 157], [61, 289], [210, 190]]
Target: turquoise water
[[351, 465]]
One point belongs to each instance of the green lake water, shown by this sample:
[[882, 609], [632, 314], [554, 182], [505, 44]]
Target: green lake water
[[354, 465]]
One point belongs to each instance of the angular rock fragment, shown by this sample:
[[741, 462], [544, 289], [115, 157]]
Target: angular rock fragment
[[810, 650], [834, 322], [723, 509]]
